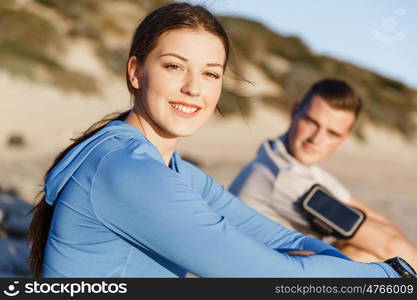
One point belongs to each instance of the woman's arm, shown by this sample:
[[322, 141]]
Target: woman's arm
[[153, 208], [246, 219]]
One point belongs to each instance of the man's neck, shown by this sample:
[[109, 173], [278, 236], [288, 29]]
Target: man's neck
[[286, 144]]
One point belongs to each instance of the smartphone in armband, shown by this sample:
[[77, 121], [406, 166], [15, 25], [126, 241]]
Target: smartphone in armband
[[330, 216]]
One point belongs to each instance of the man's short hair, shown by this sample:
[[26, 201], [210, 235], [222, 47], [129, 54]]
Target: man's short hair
[[337, 93]]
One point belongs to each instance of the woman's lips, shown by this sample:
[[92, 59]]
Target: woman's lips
[[185, 109]]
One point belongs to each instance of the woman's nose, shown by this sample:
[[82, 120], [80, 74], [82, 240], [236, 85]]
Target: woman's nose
[[191, 85]]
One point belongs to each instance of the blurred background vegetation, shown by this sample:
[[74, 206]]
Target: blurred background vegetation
[[265, 66]]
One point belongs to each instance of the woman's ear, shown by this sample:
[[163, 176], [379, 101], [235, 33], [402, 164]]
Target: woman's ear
[[133, 70]]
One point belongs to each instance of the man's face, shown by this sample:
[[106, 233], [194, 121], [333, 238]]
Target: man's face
[[318, 130]]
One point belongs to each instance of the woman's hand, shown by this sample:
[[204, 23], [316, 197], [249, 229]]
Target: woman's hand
[[301, 253]]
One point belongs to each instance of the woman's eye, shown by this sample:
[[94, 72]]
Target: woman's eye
[[172, 67], [213, 75]]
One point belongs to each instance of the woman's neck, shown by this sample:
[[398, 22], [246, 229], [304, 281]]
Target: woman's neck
[[165, 145]]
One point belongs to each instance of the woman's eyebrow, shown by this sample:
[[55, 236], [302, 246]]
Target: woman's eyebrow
[[185, 59], [215, 65], [174, 54]]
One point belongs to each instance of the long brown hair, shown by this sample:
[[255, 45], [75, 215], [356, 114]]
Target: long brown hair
[[168, 17]]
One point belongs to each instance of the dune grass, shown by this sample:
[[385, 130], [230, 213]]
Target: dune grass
[[29, 47]]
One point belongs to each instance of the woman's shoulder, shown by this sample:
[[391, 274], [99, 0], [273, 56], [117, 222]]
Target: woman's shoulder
[[132, 155], [123, 144]]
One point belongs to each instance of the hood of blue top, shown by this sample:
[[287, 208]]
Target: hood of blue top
[[68, 165]]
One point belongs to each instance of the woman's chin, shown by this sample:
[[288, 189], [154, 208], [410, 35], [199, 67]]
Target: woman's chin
[[185, 130], [179, 132]]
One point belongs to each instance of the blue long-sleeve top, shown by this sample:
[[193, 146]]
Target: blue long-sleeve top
[[121, 212]]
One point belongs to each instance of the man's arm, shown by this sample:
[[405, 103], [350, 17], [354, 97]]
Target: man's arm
[[370, 213], [381, 237]]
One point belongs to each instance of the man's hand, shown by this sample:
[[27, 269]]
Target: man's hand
[[356, 253]]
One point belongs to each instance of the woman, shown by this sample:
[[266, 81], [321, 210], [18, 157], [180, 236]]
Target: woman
[[120, 202]]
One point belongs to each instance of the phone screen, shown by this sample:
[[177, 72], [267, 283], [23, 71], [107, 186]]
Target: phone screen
[[333, 210]]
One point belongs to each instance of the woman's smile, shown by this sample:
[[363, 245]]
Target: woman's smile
[[184, 109]]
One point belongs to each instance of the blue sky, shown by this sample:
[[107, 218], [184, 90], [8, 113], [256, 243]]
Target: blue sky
[[377, 35]]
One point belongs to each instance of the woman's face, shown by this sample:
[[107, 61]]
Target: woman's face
[[180, 81]]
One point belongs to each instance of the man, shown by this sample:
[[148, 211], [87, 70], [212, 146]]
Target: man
[[284, 170]]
